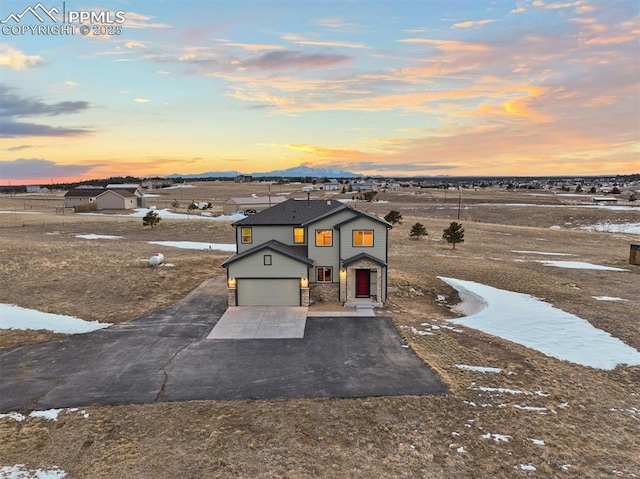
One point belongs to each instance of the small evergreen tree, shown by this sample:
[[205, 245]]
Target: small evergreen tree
[[393, 217], [192, 207], [369, 195], [579, 189], [151, 219], [633, 197], [615, 190], [454, 234], [175, 204], [418, 231]]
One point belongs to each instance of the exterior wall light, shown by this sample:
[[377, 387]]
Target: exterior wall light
[[231, 282]]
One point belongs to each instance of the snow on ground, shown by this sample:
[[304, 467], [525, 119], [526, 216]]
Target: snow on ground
[[608, 298], [531, 322], [150, 195], [168, 214], [496, 437], [573, 205], [177, 187], [19, 471], [196, 245], [20, 213], [526, 467], [92, 237], [537, 442], [15, 317], [578, 265], [542, 252], [49, 414], [630, 228], [479, 369]]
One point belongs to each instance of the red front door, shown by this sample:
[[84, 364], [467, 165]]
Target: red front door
[[362, 283]]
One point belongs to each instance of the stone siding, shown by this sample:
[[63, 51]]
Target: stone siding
[[324, 292]]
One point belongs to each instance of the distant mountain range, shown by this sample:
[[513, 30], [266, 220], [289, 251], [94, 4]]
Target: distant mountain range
[[295, 172]]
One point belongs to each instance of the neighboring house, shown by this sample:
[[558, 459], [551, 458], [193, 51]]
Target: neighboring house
[[308, 250], [332, 186], [243, 179], [113, 197], [117, 199], [37, 189], [82, 196], [258, 203]]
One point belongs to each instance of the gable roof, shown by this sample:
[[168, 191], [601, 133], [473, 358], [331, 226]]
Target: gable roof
[[294, 252], [123, 192], [361, 214], [84, 192], [360, 256], [293, 212]]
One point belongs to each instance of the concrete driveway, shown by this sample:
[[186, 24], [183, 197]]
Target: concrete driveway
[[261, 322], [165, 356]]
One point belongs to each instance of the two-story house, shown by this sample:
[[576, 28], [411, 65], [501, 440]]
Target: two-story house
[[308, 250]]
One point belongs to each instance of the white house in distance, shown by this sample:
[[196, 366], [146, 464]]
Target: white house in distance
[[308, 250]]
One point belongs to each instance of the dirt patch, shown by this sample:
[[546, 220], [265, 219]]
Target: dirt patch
[[587, 418]]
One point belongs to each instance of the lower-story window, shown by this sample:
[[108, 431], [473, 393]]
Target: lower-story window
[[325, 273]]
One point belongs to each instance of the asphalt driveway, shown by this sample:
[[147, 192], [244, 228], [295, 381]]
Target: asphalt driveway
[[165, 356]]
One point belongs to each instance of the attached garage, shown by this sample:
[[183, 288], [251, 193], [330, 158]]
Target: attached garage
[[268, 292]]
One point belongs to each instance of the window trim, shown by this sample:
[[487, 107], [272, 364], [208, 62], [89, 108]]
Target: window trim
[[267, 259], [324, 245], [353, 239], [325, 269], [304, 235], [242, 234]]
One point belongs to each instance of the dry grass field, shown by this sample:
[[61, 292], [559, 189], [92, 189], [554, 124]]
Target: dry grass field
[[592, 417]]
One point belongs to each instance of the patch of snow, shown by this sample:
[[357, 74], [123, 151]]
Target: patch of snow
[[579, 265], [48, 414], [565, 467], [461, 449], [542, 252], [167, 265], [455, 434], [470, 403], [441, 298], [196, 245], [563, 405], [528, 321], [609, 298], [537, 442], [606, 227], [15, 317], [20, 213], [526, 467], [16, 416], [541, 394], [479, 369], [168, 214], [500, 390], [19, 471], [421, 333], [529, 408], [496, 437], [177, 187], [92, 237], [150, 195]]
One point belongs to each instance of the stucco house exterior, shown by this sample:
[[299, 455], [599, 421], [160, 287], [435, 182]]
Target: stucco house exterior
[[117, 199], [82, 196], [308, 250]]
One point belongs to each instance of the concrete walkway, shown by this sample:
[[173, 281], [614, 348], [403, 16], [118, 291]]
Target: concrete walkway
[[165, 356]]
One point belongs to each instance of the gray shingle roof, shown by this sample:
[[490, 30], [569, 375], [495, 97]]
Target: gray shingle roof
[[360, 256], [292, 212], [294, 252], [84, 192]]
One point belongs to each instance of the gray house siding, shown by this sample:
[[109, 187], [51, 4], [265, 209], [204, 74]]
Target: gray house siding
[[261, 234], [281, 266], [326, 255], [379, 248]]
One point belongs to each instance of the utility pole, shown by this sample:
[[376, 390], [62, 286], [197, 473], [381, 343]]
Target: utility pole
[[459, 200]]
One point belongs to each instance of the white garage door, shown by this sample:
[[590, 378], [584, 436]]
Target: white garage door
[[268, 292]]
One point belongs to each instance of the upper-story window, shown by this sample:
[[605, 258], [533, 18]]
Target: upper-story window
[[362, 237], [298, 236], [246, 234], [324, 238]]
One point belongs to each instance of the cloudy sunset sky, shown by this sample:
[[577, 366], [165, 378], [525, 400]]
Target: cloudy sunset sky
[[395, 88]]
